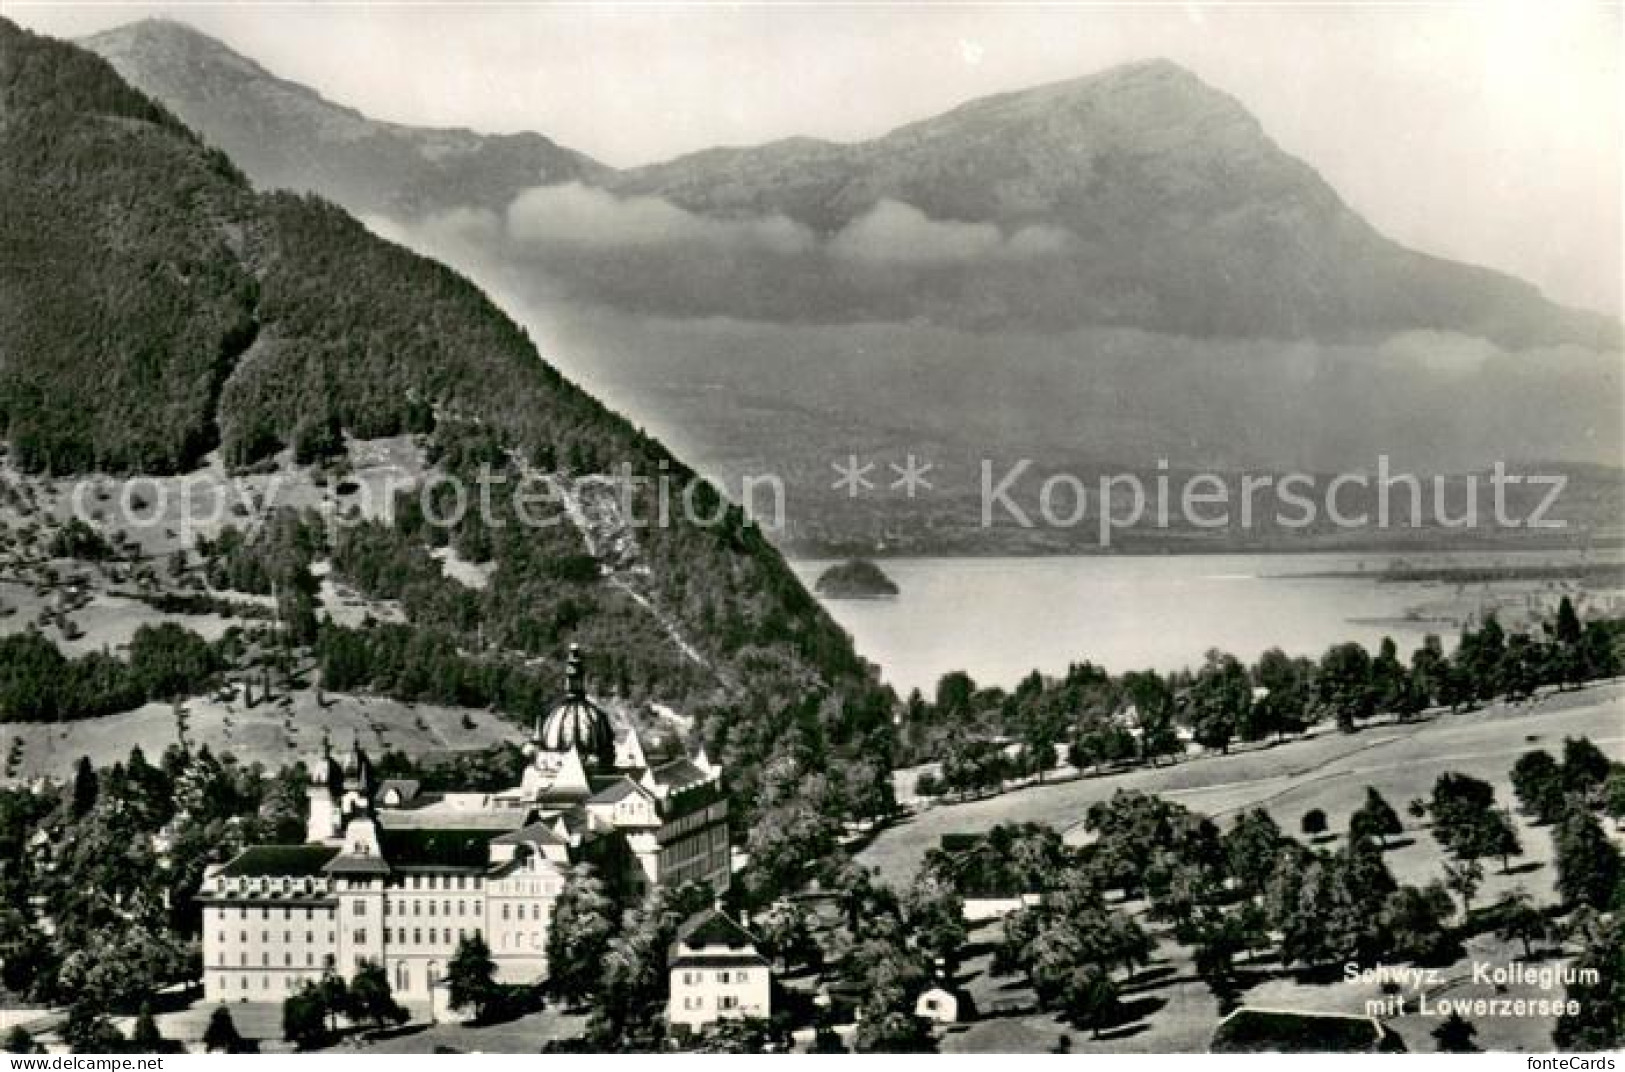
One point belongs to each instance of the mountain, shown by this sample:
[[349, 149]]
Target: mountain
[[1169, 209], [159, 316], [289, 137], [1137, 197]]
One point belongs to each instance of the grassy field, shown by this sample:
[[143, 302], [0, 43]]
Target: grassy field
[[277, 733], [1171, 1010], [1328, 771]]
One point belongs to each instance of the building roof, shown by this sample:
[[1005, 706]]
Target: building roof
[[358, 865], [405, 788], [535, 833], [436, 848], [711, 929], [293, 861], [1252, 1030], [679, 774], [493, 820], [617, 791], [718, 960]]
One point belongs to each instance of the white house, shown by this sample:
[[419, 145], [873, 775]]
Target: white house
[[717, 973]]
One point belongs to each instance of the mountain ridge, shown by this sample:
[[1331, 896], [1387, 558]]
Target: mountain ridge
[[1150, 199]]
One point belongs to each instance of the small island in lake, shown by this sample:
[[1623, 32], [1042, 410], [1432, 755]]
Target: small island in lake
[[857, 578]]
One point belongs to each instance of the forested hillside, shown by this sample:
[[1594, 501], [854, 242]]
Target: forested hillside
[[155, 310]]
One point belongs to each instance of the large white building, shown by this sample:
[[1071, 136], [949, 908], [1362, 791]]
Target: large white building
[[399, 876]]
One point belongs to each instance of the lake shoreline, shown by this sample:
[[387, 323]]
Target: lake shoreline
[[1000, 618]]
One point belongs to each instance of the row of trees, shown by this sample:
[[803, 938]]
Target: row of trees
[[123, 919], [1098, 720], [40, 684]]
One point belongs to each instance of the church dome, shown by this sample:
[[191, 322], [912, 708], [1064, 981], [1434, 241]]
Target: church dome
[[576, 723]]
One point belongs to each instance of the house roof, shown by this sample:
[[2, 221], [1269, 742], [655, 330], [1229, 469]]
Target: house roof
[[294, 861], [719, 960], [1253, 1030], [407, 788], [617, 791], [679, 774], [439, 847], [492, 820], [710, 929], [535, 833]]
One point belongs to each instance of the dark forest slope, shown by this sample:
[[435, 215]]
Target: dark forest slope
[[154, 308]]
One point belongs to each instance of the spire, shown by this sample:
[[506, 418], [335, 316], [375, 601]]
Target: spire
[[364, 780], [575, 675]]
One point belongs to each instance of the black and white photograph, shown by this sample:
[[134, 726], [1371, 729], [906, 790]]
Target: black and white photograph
[[666, 528]]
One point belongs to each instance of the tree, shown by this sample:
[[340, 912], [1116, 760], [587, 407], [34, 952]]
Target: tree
[[1459, 806], [1455, 1035], [304, 1017], [750, 1034], [1597, 994], [1323, 917], [787, 937], [1537, 782], [1463, 879], [1389, 682], [18, 1040], [935, 915], [1585, 768], [221, 1035], [146, 1038], [1344, 685], [1428, 670], [894, 1031], [578, 937], [471, 975], [1613, 796], [1495, 834], [370, 999], [1313, 823], [1250, 846], [1415, 921], [87, 1030], [1218, 700], [1479, 657], [86, 787], [630, 1002], [1286, 682], [1375, 818], [1588, 865], [1517, 917], [1568, 638], [1092, 999]]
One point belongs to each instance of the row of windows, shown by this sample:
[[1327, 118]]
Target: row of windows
[[418, 908], [265, 937], [289, 982], [725, 1003], [287, 960], [398, 935], [265, 913], [433, 882], [695, 978]]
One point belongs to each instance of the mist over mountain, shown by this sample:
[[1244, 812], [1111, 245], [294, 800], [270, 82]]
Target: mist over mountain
[[1139, 196], [1101, 272]]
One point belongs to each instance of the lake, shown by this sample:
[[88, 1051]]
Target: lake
[[998, 618]]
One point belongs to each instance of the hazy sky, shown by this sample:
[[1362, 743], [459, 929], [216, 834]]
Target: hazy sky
[[1489, 132]]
